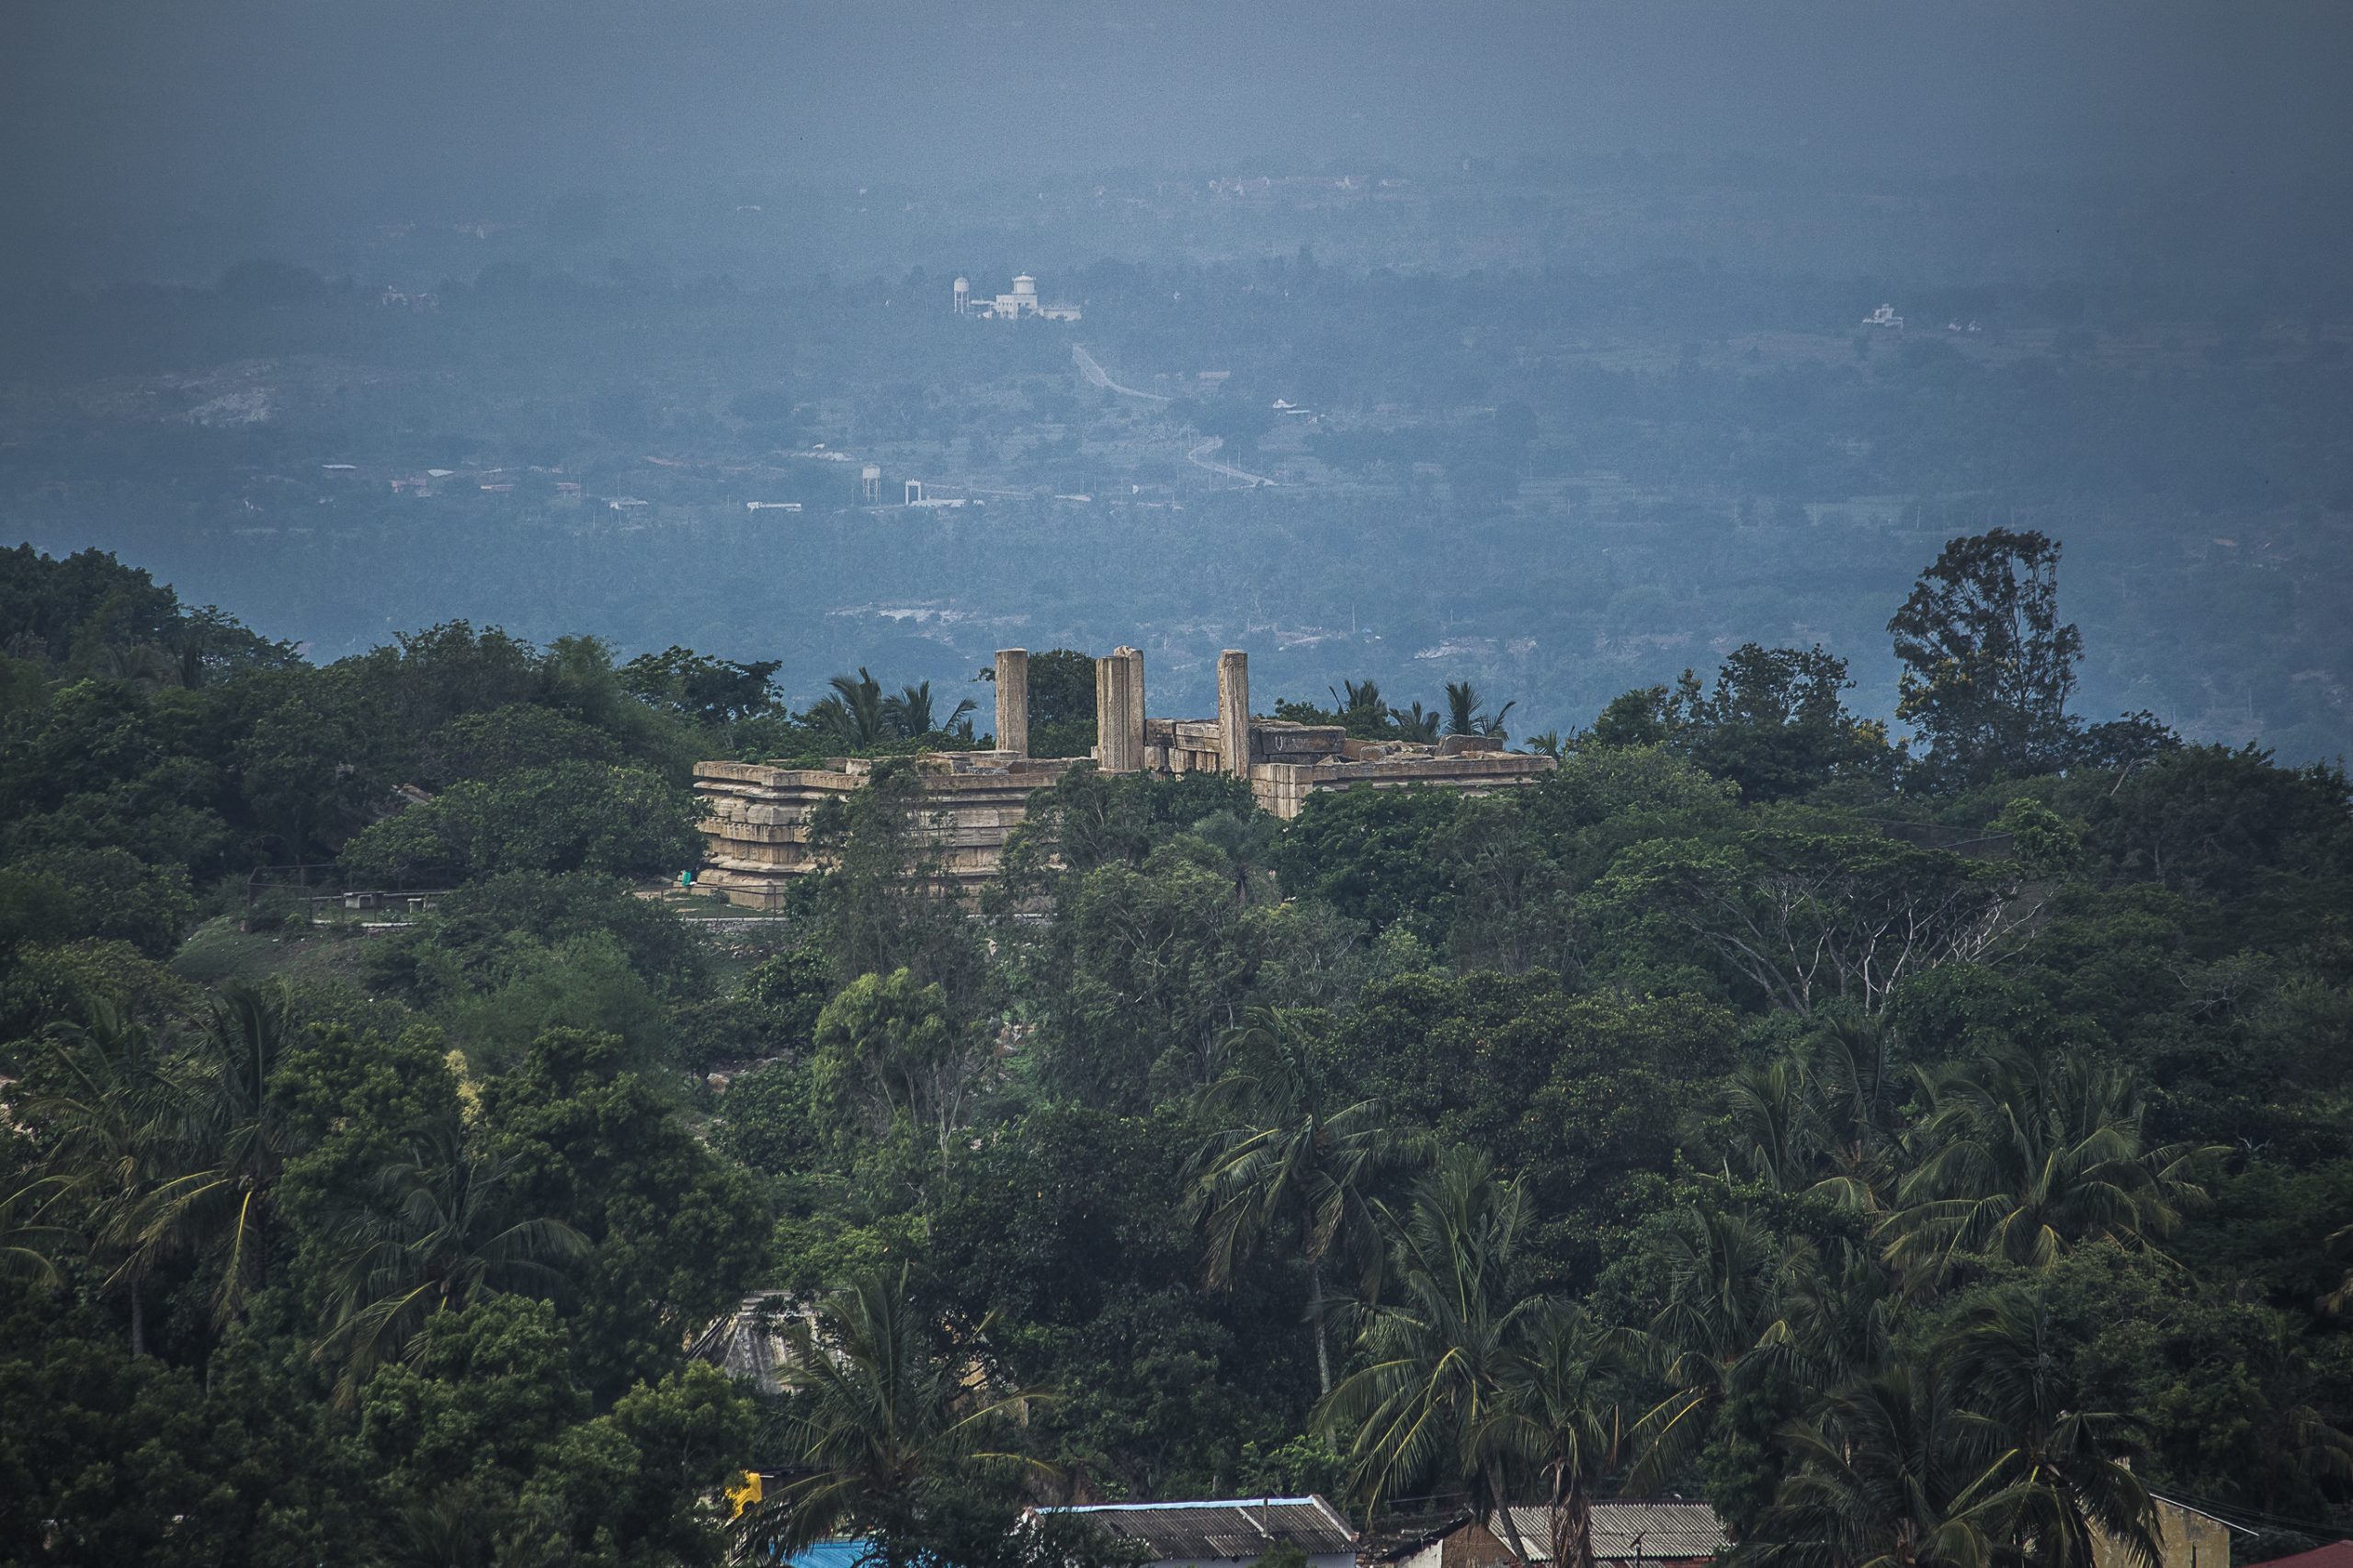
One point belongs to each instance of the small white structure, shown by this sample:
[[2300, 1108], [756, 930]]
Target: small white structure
[[1226, 1533], [771, 506], [1885, 316], [1022, 301], [915, 496]]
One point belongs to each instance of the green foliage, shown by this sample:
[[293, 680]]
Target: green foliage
[[110, 1459], [1987, 667], [768, 1120], [1775, 725], [65, 896], [1061, 703], [1368, 853], [891, 1058], [714, 691], [673, 1232], [784, 994], [569, 816], [885, 904], [1889, 1166], [483, 937], [507, 740]]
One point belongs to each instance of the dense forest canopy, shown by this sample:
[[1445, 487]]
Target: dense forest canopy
[[1923, 1137]]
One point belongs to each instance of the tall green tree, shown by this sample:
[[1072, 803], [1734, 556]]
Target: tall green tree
[[883, 1430], [2023, 1156], [1566, 1409], [1294, 1157], [434, 1237], [2067, 1464], [1440, 1351], [96, 1110], [889, 1054], [1988, 666], [232, 1141]]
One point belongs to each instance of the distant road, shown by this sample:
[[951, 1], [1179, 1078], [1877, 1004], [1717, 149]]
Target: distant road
[[1200, 456], [1097, 376]]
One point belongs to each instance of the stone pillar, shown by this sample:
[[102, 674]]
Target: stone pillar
[[1234, 711], [1135, 656], [1013, 701], [1117, 749]]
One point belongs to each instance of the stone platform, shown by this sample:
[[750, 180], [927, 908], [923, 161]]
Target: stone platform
[[758, 815]]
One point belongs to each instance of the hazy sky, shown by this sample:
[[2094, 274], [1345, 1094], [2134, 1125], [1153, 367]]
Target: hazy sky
[[109, 106]]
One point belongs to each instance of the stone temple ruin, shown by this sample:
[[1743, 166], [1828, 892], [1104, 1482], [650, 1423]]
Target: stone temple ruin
[[757, 823]]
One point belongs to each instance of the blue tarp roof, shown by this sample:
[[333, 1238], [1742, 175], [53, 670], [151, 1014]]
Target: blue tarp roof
[[831, 1555]]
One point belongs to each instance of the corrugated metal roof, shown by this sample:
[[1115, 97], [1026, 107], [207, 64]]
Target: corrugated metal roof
[[1623, 1531], [2336, 1554], [1244, 1529]]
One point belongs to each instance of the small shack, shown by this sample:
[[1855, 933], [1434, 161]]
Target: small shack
[[1225, 1533], [1640, 1535]]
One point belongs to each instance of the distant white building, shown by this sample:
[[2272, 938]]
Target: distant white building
[[1022, 301], [1885, 316]]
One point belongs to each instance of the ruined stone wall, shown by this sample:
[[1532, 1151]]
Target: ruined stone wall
[[757, 833], [757, 825], [1282, 789]]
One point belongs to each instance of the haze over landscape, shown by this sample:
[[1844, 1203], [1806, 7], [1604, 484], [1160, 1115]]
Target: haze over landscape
[[1645, 232], [1527, 776]]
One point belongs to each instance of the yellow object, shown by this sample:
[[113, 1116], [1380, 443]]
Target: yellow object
[[744, 1496]]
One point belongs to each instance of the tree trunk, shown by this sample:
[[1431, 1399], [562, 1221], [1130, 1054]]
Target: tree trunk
[[1571, 1527], [1315, 1315], [138, 1322], [1511, 1532]]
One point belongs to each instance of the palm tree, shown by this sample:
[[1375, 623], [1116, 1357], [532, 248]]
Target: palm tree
[[1417, 725], [231, 1140], [878, 1429], [1886, 1475], [1427, 1406], [1358, 705], [2055, 1458], [909, 713], [1562, 1412], [140, 663], [1818, 1118], [106, 1083], [1853, 1082], [1723, 1320], [1243, 842], [1777, 1136], [431, 1243], [854, 716], [1293, 1159], [2027, 1156], [1747, 1313], [2296, 1440], [1465, 715]]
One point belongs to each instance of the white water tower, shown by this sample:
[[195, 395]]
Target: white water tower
[[963, 295]]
